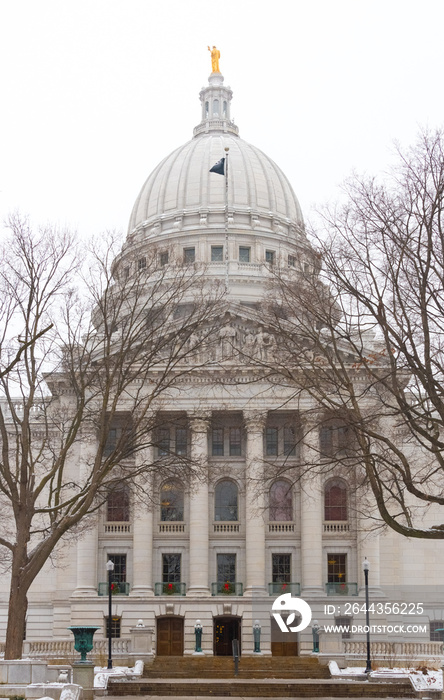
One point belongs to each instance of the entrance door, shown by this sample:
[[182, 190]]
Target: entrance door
[[282, 643], [225, 630], [170, 636]]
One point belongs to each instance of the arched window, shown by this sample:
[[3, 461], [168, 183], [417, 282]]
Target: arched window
[[281, 501], [215, 108], [171, 501], [225, 501], [117, 505], [335, 500]]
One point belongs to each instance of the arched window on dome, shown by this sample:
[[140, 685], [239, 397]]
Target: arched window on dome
[[215, 108], [335, 501], [118, 505], [171, 501], [207, 110], [281, 501], [226, 501], [224, 109]]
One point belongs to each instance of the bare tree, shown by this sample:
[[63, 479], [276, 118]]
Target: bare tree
[[85, 358], [361, 332]]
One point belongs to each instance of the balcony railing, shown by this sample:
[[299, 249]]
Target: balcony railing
[[223, 527], [227, 588], [281, 527], [122, 528], [279, 588], [336, 527], [341, 588], [117, 588], [171, 527], [170, 588]]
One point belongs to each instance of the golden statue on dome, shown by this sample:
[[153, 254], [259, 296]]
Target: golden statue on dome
[[215, 56]]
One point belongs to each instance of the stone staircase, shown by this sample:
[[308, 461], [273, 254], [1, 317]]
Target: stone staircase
[[223, 667], [280, 677]]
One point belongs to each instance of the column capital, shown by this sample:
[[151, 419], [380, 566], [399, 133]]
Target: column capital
[[199, 423], [255, 421]]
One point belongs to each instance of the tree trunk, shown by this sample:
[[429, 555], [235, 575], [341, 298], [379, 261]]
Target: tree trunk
[[18, 607]]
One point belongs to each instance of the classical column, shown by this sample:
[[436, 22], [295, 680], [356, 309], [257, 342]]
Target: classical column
[[87, 545], [311, 511], [143, 533], [255, 506], [199, 516]]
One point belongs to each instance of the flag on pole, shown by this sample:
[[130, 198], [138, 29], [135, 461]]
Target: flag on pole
[[219, 167]]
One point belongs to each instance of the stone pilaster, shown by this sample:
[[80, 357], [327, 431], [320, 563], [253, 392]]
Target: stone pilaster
[[199, 514], [255, 506], [311, 511]]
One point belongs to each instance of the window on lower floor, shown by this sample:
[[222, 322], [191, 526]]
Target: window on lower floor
[[234, 439], [337, 568], [217, 446], [164, 257], [226, 568], [335, 500], [345, 623], [115, 627], [436, 636], [119, 573], [281, 568], [291, 261], [171, 568]]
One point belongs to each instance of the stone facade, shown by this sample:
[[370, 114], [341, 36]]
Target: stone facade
[[221, 549]]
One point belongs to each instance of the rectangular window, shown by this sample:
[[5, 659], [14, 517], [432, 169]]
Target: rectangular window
[[217, 253], [163, 443], [126, 273], [181, 441], [189, 255], [271, 441], [326, 441], [226, 568], [117, 505], [171, 568], [141, 264], [119, 573], [164, 258], [115, 627], [344, 622], [111, 442], [217, 449], [244, 254], [289, 441], [434, 635], [235, 442], [291, 261], [281, 568], [337, 568], [269, 257]]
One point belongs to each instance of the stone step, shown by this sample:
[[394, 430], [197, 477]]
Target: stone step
[[223, 667], [236, 687]]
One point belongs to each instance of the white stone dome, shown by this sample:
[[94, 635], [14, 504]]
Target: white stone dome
[[181, 190]]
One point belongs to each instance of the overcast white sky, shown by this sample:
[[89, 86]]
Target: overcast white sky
[[96, 92]]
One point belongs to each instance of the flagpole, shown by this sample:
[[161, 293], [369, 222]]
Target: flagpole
[[226, 219]]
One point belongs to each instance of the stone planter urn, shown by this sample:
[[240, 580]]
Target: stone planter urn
[[83, 640]]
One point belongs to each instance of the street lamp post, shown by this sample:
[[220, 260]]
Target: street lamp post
[[366, 567], [110, 569]]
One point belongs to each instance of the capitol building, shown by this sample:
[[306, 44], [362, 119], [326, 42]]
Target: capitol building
[[221, 551]]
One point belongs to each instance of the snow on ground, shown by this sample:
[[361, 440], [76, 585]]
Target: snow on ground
[[421, 678]]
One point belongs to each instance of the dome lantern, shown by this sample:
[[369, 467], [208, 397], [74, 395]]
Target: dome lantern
[[216, 103]]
